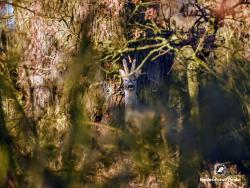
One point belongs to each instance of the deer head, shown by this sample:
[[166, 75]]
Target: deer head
[[129, 77]]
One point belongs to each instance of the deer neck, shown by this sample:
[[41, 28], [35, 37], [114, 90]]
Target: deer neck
[[131, 100]]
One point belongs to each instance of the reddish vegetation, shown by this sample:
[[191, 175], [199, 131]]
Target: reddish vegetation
[[135, 1], [235, 9], [151, 14], [2, 4]]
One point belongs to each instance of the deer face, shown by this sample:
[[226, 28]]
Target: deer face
[[130, 83], [129, 77]]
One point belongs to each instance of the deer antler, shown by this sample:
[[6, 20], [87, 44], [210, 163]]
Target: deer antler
[[125, 66], [133, 66], [132, 70]]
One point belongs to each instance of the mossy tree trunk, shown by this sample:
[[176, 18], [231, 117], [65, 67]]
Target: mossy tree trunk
[[193, 89]]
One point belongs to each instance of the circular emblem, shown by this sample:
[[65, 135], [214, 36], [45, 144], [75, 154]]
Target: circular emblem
[[220, 169]]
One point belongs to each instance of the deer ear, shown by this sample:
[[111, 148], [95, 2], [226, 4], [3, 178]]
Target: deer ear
[[122, 73]]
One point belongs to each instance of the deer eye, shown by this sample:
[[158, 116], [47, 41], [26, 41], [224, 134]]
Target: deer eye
[[125, 79]]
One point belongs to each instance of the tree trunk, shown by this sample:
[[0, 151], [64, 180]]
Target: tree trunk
[[106, 31], [193, 89], [47, 35]]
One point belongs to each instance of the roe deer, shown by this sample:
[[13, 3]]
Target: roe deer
[[130, 84], [135, 113], [138, 117]]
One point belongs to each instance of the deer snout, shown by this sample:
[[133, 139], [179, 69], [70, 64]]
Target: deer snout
[[131, 87]]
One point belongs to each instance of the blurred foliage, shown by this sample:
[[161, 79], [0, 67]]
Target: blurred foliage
[[61, 110]]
